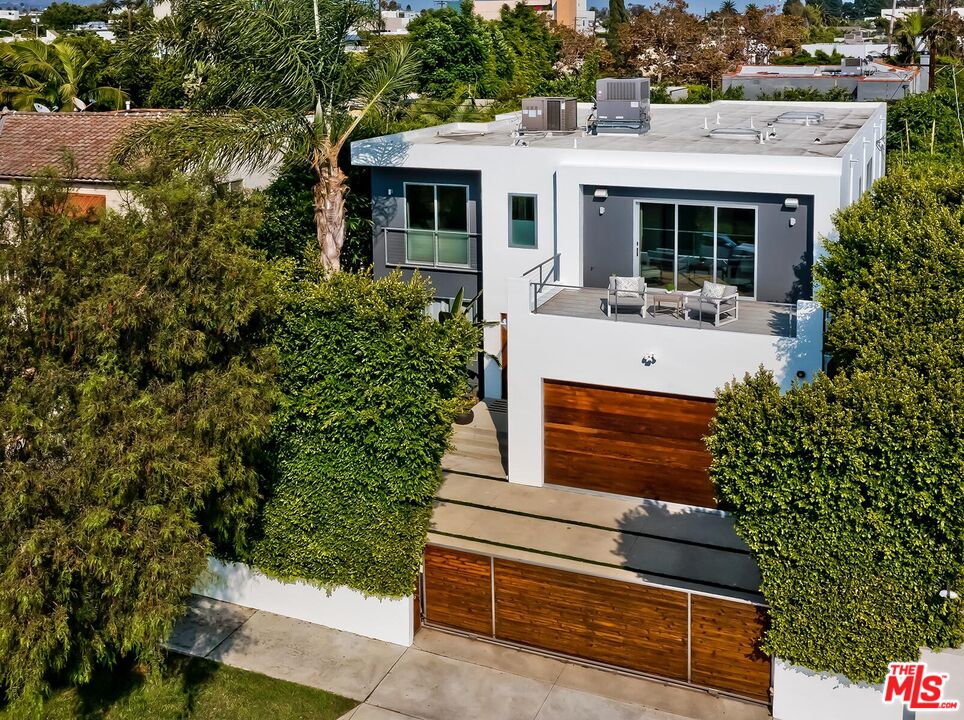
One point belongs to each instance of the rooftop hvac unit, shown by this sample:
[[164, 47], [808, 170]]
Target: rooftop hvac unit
[[622, 105], [549, 114]]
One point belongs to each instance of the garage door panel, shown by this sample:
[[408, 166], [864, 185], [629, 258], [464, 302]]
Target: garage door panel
[[619, 446], [642, 419], [726, 654], [628, 442], [620, 404], [458, 589], [657, 482], [607, 621]]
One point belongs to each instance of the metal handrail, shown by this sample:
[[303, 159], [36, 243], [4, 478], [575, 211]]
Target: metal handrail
[[470, 236], [547, 269], [791, 308]]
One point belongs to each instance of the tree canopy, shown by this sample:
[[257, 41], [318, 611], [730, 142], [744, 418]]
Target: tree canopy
[[136, 378]]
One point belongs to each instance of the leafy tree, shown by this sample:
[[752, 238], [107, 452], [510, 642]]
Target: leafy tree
[[274, 83], [532, 45], [914, 120], [135, 380], [848, 490], [617, 14], [455, 49], [56, 75], [371, 386], [62, 16]]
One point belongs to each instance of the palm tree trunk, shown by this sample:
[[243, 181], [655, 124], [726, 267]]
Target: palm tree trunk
[[329, 200]]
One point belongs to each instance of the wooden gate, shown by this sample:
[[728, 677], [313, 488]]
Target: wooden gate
[[693, 638], [628, 442]]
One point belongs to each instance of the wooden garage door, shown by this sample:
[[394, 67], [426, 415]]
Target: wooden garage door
[[458, 589], [628, 442], [706, 641], [726, 653], [612, 622]]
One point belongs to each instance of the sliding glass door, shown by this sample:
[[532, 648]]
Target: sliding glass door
[[682, 245], [437, 224]]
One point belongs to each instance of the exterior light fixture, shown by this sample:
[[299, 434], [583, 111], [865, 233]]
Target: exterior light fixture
[[649, 359], [791, 203], [601, 193], [948, 594]]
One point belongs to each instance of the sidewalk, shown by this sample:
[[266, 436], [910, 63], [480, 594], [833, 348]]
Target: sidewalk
[[441, 677]]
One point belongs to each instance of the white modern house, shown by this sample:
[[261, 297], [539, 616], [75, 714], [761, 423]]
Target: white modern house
[[597, 241], [732, 191]]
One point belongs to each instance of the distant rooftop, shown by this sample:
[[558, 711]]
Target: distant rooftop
[[721, 127], [865, 70], [33, 141]]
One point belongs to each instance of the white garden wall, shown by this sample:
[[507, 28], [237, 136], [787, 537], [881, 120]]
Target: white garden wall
[[802, 694], [391, 620]]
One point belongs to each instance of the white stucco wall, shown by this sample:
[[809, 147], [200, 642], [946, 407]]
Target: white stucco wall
[[391, 620], [802, 694], [557, 175], [689, 361]]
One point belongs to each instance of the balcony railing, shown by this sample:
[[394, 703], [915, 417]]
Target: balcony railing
[[762, 318], [437, 249]]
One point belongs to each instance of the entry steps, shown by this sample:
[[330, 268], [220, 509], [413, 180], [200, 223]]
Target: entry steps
[[613, 537]]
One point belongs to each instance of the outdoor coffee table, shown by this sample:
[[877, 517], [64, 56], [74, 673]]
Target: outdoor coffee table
[[672, 301]]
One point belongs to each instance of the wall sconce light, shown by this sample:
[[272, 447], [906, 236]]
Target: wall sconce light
[[601, 193], [649, 359], [948, 594], [791, 203]]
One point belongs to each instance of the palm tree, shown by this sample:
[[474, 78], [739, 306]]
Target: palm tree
[[909, 35], [728, 7], [270, 81], [56, 75]]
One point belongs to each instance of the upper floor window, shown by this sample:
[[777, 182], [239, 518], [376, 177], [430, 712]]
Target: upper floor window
[[522, 221], [436, 224]]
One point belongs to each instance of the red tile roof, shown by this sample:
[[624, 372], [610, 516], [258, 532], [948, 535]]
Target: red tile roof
[[33, 141]]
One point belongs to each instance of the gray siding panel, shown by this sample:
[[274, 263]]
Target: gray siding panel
[[388, 211], [784, 253]]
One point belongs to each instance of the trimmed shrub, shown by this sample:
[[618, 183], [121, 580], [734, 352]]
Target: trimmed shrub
[[371, 386], [849, 490]]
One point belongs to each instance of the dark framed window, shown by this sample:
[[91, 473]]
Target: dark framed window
[[522, 221]]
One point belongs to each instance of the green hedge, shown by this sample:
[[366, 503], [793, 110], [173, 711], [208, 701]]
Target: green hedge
[[370, 387], [849, 490]]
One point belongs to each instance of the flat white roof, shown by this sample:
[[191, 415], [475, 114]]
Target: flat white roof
[[674, 128]]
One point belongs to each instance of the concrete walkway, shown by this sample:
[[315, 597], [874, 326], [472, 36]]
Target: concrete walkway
[[442, 677]]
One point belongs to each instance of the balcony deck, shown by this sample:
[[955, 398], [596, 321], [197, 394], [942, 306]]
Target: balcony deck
[[757, 318]]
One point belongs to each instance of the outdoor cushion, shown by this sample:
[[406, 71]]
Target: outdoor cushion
[[627, 284], [713, 291]]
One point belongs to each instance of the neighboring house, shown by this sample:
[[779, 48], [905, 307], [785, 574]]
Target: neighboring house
[[97, 27], [9, 14], [395, 22], [614, 404], [862, 79], [570, 13], [79, 145], [864, 50]]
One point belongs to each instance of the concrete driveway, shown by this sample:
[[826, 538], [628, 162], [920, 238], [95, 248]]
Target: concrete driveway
[[441, 677]]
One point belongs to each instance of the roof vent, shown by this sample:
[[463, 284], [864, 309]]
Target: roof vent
[[801, 117], [737, 134]]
